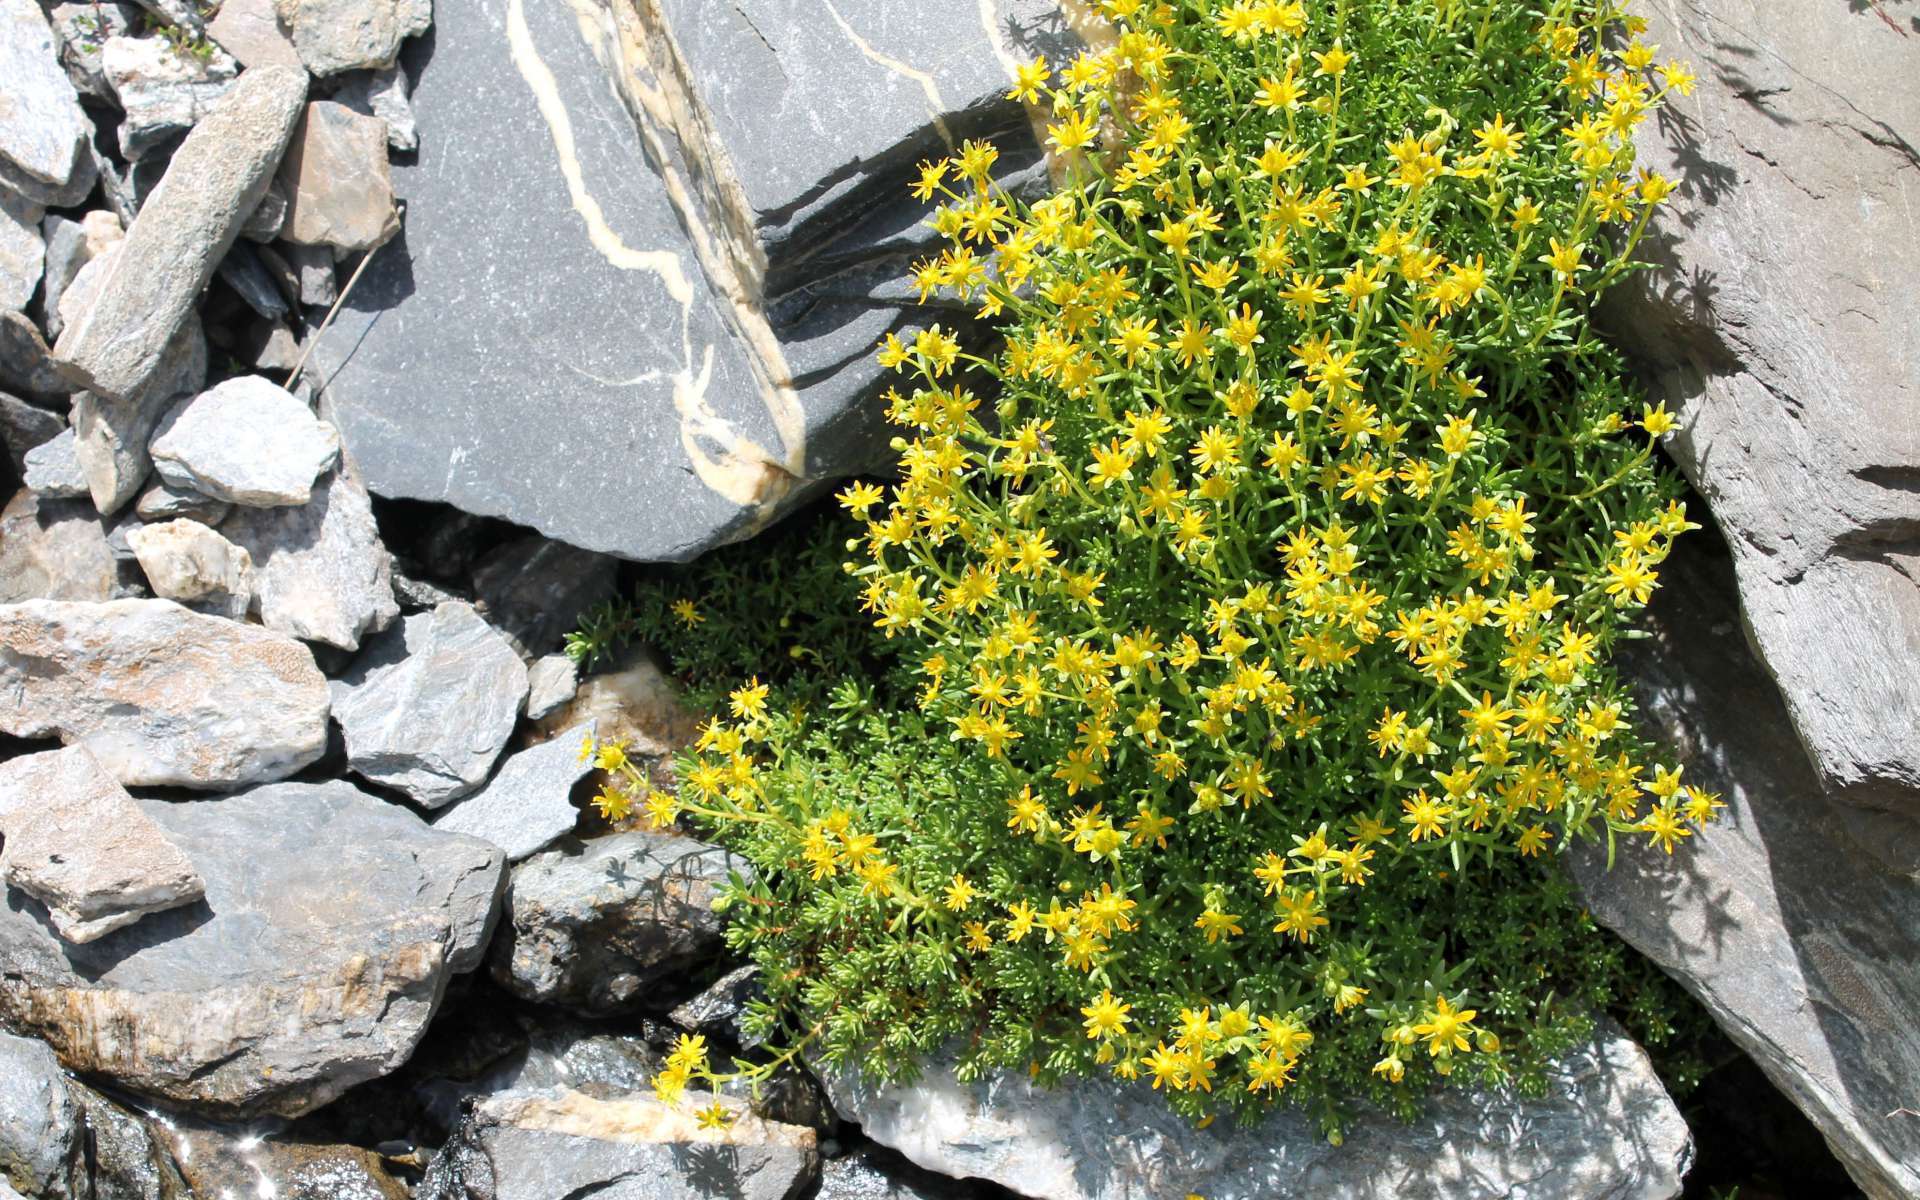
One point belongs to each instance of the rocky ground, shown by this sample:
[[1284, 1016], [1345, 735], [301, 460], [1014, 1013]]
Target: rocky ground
[[302, 897]]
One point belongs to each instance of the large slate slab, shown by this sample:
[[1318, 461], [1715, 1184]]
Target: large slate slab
[[1782, 330], [1604, 1130], [1804, 948], [331, 924], [569, 338]]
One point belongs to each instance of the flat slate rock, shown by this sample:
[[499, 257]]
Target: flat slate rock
[[555, 338], [526, 804], [314, 964], [247, 441], [1604, 1130], [320, 570], [1781, 328], [56, 550], [43, 131], [41, 1129], [1803, 946]]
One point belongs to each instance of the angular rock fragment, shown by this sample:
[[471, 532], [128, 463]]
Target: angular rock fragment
[[42, 1145], [1604, 1130], [551, 682], [212, 183], [1802, 945], [247, 274], [43, 132], [1789, 360], [314, 267], [163, 92], [162, 502], [866, 1175], [83, 29], [340, 193], [332, 36], [77, 843], [71, 245], [268, 218], [429, 704], [188, 562], [52, 469], [250, 30], [320, 571], [161, 695], [217, 1161], [245, 441], [113, 433], [716, 1012], [526, 805], [592, 925], [56, 550], [24, 426], [526, 1144], [22, 253], [315, 964], [26, 367], [383, 94]]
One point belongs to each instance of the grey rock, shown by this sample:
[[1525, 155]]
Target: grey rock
[[271, 347], [314, 265], [41, 1148], [188, 562], [161, 695], [83, 30], [163, 92], [113, 432], [127, 1161], [22, 253], [340, 193], [527, 804], [56, 550], [551, 682], [534, 1145], [71, 245], [430, 703], [77, 843], [250, 30], [244, 272], [383, 93], [1604, 1128], [162, 502], [716, 1012], [557, 1052], [212, 183], [24, 426], [43, 132], [595, 925], [319, 570], [315, 963], [1804, 948], [1780, 329], [347, 35], [268, 218], [638, 707], [52, 469], [534, 590], [26, 367], [417, 595], [245, 441]]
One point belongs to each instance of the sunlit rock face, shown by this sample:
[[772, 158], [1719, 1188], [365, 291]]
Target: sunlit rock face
[[650, 247]]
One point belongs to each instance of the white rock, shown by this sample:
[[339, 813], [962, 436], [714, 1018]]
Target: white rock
[[22, 253], [1604, 1130], [347, 35], [78, 843], [319, 569], [43, 132], [245, 441], [162, 91], [430, 703], [526, 804], [186, 561], [83, 29], [160, 694]]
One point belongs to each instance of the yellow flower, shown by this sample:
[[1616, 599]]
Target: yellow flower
[[960, 894], [1333, 61], [1029, 78], [1446, 1027], [715, 1116], [1106, 1016]]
